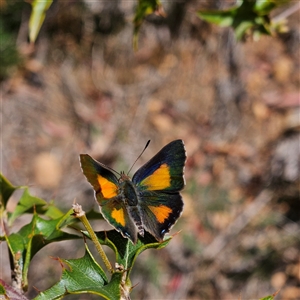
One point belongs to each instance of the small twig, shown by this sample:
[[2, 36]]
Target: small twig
[[17, 280], [79, 213], [286, 13]]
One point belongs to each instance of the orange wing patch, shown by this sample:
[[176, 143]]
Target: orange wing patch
[[118, 215], [159, 180], [161, 212], [108, 188]]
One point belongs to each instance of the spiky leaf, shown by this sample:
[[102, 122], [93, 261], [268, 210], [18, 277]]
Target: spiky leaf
[[82, 276], [34, 236], [26, 204], [6, 190]]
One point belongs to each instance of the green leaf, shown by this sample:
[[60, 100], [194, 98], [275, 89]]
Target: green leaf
[[220, 18], [143, 9], [86, 276], [29, 204], [31, 238], [264, 7], [242, 29], [270, 297], [248, 16], [81, 276], [2, 289], [26, 204], [39, 8], [126, 252], [67, 219], [53, 212], [6, 190], [9, 55]]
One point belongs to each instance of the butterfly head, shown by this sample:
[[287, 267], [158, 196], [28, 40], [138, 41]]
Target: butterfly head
[[124, 177]]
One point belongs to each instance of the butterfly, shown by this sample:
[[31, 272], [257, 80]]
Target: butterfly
[[150, 201]]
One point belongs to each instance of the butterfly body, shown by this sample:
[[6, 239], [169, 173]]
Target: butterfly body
[[149, 201], [128, 190]]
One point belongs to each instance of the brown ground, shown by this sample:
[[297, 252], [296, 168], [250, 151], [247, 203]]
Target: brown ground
[[235, 105]]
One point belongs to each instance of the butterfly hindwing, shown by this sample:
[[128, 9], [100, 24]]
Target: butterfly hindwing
[[105, 184], [164, 171], [116, 213], [160, 211]]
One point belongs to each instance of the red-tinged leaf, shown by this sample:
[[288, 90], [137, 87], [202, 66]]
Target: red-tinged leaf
[[8, 292]]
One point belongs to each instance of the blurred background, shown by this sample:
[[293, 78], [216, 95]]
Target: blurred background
[[82, 89]]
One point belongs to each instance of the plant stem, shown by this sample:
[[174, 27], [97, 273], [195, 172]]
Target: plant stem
[[79, 213]]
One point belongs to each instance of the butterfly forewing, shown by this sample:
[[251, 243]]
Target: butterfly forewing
[[104, 182], [164, 171], [112, 207]]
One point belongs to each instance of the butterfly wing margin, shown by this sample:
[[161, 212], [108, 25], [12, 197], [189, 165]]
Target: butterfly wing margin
[[164, 171], [160, 211], [105, 184]]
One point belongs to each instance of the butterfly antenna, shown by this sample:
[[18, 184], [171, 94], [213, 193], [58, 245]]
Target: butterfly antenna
[[147, 144]]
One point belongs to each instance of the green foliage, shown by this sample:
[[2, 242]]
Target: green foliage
[[126, 252], [6, 189], [9, 55], [248, 16], [10, 20], [79, 276], [31, 238], [270, 297], [86, 276], [26, 204], [143, 9]]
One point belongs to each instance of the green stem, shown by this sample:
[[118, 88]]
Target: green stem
[[79, 213]]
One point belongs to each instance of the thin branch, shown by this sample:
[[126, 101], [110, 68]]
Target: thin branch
[[286, 13]]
